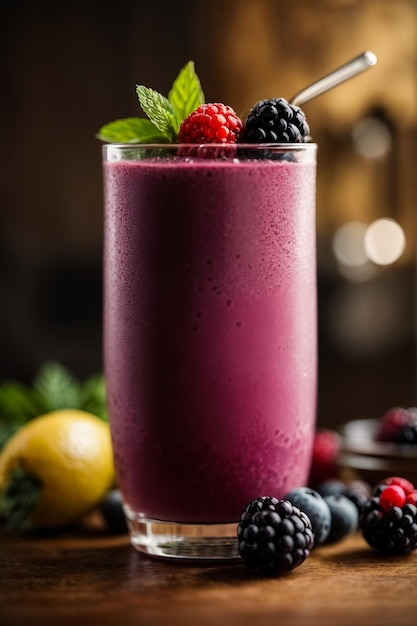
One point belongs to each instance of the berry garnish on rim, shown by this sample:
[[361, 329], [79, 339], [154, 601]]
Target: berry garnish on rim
[[276, 121], [211, 123], [273, 120]]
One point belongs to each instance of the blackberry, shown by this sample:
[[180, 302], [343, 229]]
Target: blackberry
[[275, 121], [406, 434], [274, 536], [390, 531]]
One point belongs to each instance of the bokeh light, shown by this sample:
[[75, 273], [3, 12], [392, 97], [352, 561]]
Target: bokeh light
[[384, 241], [348, 243], [371, 138], [359, 247], [349, 250]]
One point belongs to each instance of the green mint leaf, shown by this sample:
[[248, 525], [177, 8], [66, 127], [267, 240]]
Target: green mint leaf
[[186, 93], [93, 396], [17, 403], [19, 498], [56, 388], [159, 110], [131, 130]]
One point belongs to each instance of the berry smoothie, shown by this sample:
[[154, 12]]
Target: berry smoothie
[[209, 330]]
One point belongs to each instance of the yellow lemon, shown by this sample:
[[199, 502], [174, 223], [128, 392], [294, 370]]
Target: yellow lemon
[[66, 458]]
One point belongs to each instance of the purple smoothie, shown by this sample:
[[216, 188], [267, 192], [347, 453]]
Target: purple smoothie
[[209, 332]]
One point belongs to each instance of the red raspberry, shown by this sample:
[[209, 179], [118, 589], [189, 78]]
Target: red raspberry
[[325, 451], [405, 484], [393, 495], [411, 498], [211, 123]]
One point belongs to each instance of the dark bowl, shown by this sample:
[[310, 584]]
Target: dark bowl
[[363, 458]]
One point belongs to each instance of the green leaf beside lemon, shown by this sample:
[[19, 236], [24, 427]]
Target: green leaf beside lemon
[[54, 387]]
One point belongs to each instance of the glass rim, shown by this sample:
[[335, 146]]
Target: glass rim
[[310, 145], [216, 152]]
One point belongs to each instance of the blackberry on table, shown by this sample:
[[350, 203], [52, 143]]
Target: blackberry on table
[[389, 530], [274, 536], [274, 120]]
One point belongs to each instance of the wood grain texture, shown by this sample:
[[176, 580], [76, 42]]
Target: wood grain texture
[[92, 578]]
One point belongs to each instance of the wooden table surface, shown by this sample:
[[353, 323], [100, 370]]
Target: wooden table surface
[[89, 577]]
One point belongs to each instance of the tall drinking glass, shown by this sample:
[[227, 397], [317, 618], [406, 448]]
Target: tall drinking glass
[[210, 348]]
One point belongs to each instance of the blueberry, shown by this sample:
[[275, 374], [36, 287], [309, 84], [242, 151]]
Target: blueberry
[[311, 502], [359, 492], [112, 512], [330, 487], [344, 517]]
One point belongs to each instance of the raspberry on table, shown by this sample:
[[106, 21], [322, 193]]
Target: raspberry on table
[[274, 536], [211, 123], [388, 521], [274, 120], [326, 446]]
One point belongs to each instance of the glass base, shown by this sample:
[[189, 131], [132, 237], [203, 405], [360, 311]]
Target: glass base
[[202, 542]]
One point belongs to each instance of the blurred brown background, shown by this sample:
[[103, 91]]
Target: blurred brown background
[[67, 68]]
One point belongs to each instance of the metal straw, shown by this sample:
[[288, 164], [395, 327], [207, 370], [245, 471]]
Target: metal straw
[[357, 65]]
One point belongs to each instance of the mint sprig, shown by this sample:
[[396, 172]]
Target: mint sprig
[[159, 110], [186, 93], [131, 130], [164, 114]]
